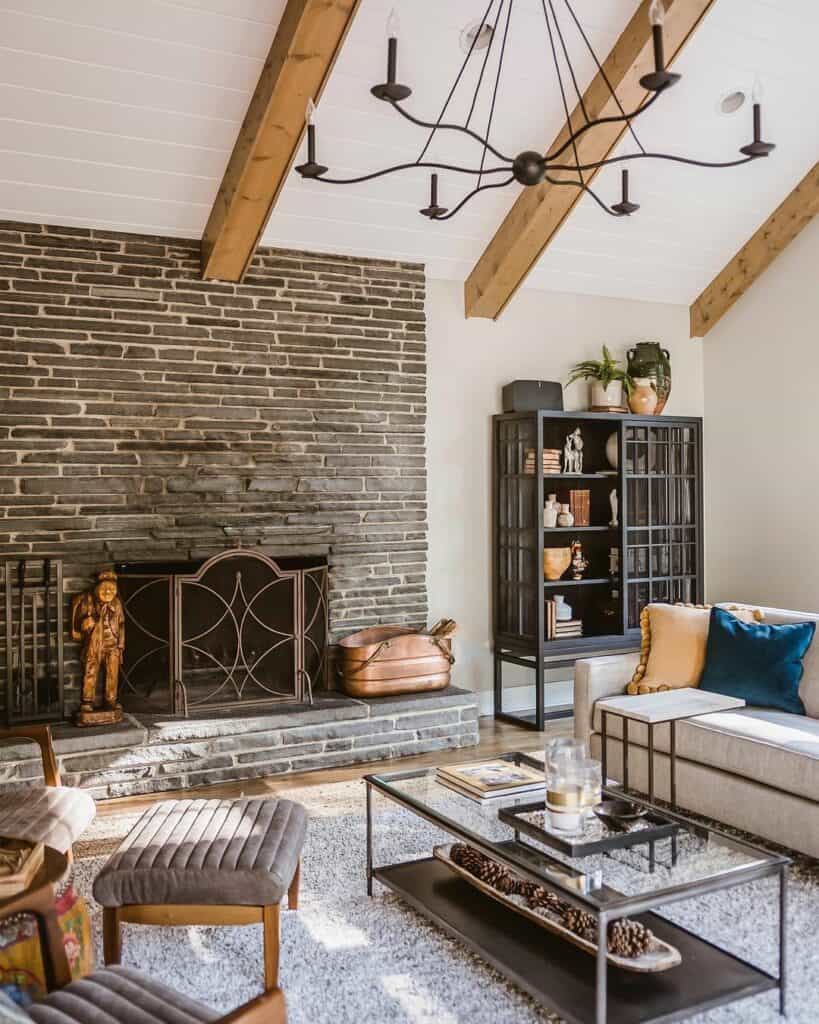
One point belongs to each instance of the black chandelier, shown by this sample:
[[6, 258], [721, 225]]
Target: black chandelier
[[529, 167]]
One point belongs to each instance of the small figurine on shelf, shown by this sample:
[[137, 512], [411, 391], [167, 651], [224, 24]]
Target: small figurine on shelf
[[579, 562], [614, 508], [573, 452]]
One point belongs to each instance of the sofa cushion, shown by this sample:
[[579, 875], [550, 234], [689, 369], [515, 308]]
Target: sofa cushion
[[215, 852], [122, 995], [809, 684], [673, 645], [770, 747], [761, 662], [54, 815]]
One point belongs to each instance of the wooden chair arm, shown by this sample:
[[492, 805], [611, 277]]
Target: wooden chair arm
[[39, 903], [269, 1008], [41, 735]]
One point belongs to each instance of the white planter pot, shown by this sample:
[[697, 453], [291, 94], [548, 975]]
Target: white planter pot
[[612, 395]]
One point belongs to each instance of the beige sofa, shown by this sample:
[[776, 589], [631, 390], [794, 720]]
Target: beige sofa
[[753, 768]]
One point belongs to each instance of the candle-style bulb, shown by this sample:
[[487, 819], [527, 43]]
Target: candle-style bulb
[[758, 91], [310, 112], [393, 24], [656, 12]]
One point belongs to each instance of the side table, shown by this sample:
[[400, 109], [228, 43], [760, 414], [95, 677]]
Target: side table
[[653, 709]]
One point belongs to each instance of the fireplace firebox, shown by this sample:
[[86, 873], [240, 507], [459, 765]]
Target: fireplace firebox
[[230, 632]]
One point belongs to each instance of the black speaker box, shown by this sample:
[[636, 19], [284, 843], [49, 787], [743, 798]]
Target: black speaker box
[[530, 395]]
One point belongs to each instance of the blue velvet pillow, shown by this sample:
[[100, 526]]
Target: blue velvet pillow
[[759, 662]]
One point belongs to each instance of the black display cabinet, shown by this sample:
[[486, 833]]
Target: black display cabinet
[[653, 553]]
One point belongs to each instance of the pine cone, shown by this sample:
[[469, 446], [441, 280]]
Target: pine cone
[[629, 938], [497, 876], [526, 889], [468, 858], [580, 922], [547, 900]]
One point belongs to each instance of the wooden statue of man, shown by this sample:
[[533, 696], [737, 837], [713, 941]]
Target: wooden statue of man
[[98, 620]]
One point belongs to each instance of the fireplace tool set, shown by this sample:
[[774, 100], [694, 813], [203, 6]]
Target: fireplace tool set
[[34, 639]]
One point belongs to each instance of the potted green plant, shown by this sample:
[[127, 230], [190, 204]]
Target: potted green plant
[[608, 380]]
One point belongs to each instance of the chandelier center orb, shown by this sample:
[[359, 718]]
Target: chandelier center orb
[[529, 167]]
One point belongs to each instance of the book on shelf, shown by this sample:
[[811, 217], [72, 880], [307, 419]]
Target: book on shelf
[[485, 779]]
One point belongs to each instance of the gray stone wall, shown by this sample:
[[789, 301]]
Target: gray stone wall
[[147, 414]]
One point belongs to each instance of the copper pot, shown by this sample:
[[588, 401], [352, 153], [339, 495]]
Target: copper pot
[[387, 660]]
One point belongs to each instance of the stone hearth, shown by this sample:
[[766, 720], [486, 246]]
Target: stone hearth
[[150, 754]]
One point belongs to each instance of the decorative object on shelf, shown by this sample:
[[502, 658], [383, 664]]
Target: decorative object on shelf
[[580, 505], [98, 621], [629, 938], [563, 610], [579, 562], [564, 516], [614, 503], [649, 359], [552, 465], [550, 510], [555, 562], [531, 395], [643, 398], [607, 380], [614, 562], [573, 452], [613, 450], [493, 168]]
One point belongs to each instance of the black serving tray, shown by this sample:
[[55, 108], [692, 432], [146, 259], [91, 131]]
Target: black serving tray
[[654, 826]]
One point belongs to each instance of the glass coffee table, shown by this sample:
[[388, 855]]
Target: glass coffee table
[[609, 883]]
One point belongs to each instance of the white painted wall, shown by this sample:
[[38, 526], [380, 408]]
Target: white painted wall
[[762, 447], [539, 336]]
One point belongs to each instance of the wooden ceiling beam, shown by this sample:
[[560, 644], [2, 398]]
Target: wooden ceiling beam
[[540, 210], [758, 253], [307, 42]]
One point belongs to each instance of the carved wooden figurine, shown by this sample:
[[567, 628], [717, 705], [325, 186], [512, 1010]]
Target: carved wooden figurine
[[98, 620]]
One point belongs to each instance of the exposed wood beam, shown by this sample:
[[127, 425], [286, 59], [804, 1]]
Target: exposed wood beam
[[539, 211], [308, 40], [758, 253]]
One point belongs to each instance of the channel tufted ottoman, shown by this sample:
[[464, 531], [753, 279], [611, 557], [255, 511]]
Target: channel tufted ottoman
[[205, 862]]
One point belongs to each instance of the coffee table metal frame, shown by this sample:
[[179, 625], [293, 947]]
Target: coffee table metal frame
[[539, 867]]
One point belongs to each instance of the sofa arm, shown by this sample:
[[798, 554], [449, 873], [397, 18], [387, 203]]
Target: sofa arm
[[595, 678]]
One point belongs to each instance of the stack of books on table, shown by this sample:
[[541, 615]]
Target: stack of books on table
[[551, 462], [484, 780]]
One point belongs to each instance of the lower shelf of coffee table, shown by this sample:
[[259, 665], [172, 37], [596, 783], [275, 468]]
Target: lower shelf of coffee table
[[562, 977]]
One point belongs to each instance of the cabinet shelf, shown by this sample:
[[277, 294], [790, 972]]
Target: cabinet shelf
[[577, 529], [576, 583]]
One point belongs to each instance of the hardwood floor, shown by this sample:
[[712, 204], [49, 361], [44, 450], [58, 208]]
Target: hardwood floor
[[495, 738]]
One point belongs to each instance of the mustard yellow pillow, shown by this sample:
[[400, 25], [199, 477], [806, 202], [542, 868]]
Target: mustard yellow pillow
[[672, 648]]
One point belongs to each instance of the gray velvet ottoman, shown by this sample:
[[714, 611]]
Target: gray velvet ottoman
[[205, 862]]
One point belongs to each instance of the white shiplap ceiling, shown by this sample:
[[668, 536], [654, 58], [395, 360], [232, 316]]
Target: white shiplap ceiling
[[123, 115]]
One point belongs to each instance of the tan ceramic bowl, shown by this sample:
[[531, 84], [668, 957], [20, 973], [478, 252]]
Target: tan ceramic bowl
[[555, 562]]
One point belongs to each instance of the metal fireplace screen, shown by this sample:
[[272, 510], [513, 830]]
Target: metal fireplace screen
[[236, 631]]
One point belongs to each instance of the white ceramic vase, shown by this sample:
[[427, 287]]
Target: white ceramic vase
[[550, 510], [608, 396], [563, 611], [564, 516]]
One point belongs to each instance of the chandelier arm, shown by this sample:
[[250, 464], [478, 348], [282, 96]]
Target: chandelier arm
[[406, 167], [474, 192], [483, 67], [568, 62], [579, 168], [491, 117], [562, 90], [451, 128], [602, 72], [585, 188], [458, 78], [613, 119]]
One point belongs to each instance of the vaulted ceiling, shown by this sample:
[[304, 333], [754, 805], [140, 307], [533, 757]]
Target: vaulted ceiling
[[124, 115]]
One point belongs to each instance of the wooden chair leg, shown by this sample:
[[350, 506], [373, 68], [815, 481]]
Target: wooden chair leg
[[270, 922], [293, 891], [111, 936]]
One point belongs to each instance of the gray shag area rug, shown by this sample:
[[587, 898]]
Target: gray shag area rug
[[348, 959]]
